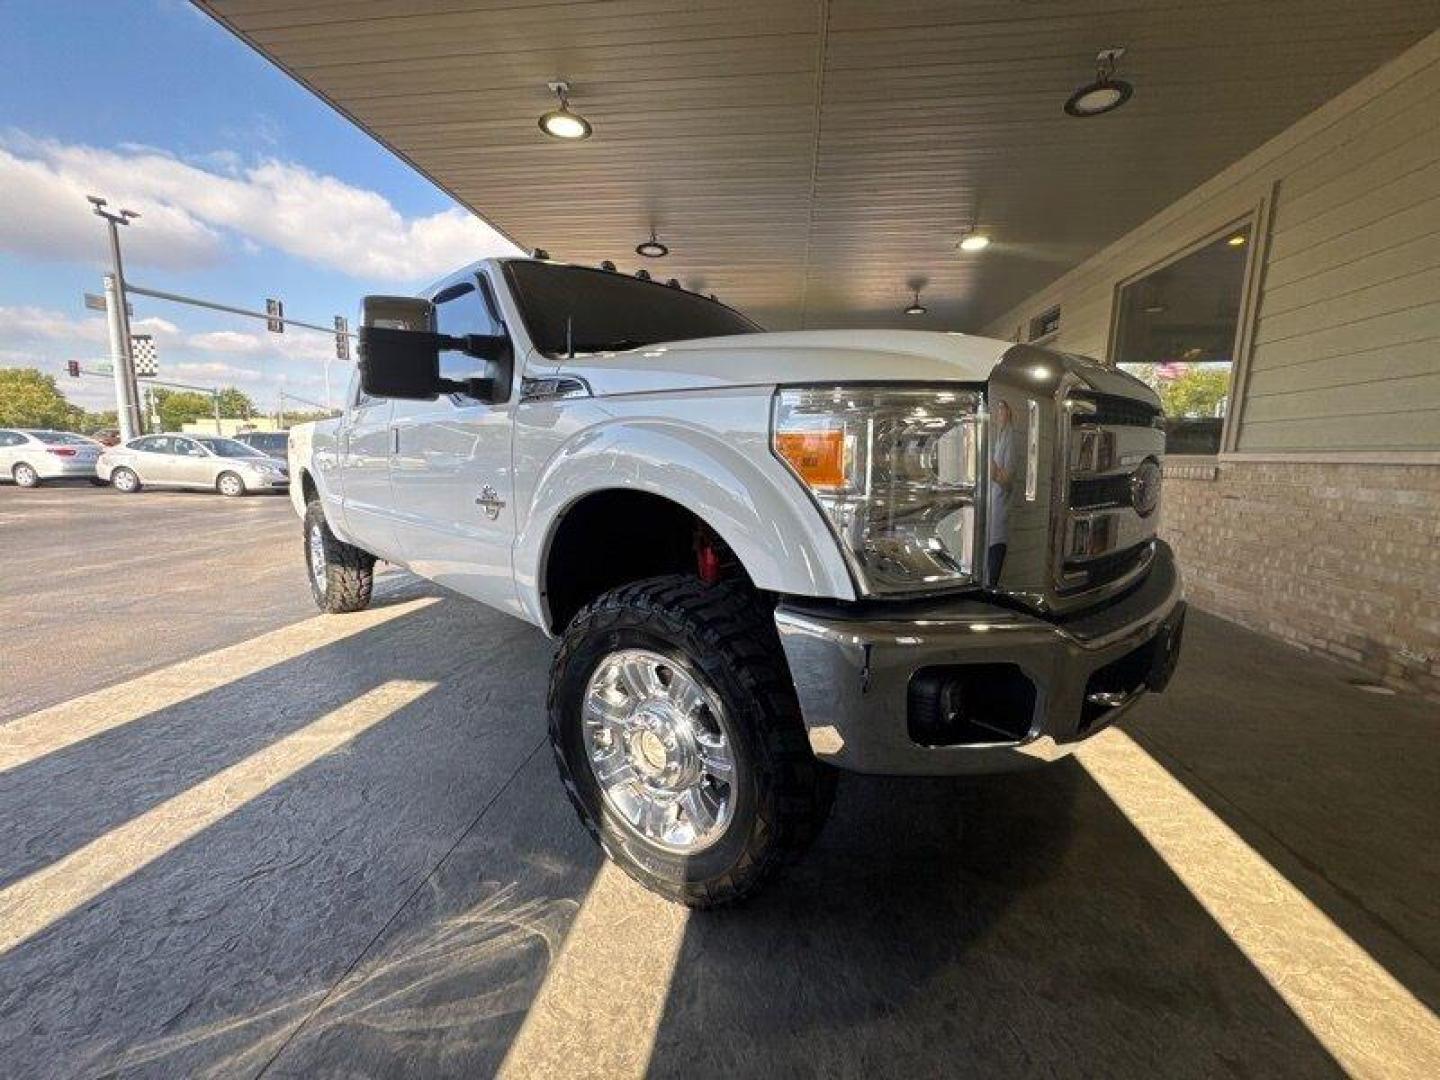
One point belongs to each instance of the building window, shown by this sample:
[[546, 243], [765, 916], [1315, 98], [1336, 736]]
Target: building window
[[1177, 329]]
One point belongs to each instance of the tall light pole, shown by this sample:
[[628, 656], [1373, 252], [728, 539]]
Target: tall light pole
[[127, 392]]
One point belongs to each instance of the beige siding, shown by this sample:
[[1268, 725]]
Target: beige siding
[[1346, 350]]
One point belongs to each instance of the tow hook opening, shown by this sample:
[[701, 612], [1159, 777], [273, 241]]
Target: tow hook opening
[[1148, 667], [970, 705]]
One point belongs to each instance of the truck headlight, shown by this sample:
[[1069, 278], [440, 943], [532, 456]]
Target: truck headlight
[[895, 471]]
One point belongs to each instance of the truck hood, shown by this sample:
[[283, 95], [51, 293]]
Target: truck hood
[[801, 356]]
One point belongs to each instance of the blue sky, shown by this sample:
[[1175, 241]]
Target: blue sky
[[248, 187]]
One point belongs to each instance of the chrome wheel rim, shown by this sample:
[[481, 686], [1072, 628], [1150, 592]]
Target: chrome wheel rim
[[317, 557], [124, 480], [25, 476], [229, 485], [660, 750]]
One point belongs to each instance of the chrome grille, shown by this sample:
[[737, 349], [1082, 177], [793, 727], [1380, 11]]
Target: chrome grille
[[1105, 538], [1072, 534]]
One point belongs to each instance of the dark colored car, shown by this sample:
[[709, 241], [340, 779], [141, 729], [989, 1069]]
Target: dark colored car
[[273, 444]]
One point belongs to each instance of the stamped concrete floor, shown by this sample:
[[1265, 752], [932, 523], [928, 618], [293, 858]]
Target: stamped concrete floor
[[240, 839]]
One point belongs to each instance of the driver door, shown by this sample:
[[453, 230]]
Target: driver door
[[191, 464], [365, 439], [450, 469]]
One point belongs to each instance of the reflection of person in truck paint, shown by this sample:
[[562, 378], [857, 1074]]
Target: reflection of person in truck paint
[[1002, 483]]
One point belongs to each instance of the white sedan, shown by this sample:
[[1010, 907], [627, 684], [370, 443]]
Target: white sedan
[[206, 462], [30, 457]]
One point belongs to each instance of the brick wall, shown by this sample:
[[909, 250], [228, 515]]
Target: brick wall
[[1343, 560]]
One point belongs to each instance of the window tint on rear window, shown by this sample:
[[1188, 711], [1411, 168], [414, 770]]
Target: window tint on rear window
[[61, 438]]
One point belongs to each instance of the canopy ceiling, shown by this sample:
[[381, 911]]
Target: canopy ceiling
[[812, 161]]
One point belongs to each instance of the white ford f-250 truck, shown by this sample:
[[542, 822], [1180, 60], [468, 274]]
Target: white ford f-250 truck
[[765, 556]]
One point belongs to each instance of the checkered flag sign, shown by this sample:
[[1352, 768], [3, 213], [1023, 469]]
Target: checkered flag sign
[[142, 349]]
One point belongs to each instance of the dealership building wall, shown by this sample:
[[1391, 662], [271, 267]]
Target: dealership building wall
[[1319, 518]]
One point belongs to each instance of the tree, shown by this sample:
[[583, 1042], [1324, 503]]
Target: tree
[[98, 421], [293, 418], [30, 398], [236, 403], [180, 407], [1196, 393]]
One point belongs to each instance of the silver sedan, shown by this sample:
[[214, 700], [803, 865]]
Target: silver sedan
[[206, 462], [30, 457]]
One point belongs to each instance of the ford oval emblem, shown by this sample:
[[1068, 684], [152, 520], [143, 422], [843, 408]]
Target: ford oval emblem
[[1145, 487]]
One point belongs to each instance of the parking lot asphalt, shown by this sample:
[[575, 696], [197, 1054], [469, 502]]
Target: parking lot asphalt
[[239, 838]]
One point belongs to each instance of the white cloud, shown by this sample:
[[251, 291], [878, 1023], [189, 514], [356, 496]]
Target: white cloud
[[188, 210], [214, 369], [46, 324], [226, 341], [296, 344], [48, 218], [155, 326]]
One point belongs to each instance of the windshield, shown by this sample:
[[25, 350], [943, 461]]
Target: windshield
[[61, 438], [605, 310], [228, 448]]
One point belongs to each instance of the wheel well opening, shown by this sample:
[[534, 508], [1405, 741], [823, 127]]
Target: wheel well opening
[[308, 488], [610, 538]]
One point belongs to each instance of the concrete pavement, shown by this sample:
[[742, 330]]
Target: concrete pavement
[[239, 838]]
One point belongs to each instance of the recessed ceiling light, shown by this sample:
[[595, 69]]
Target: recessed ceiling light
[[561, 123], [1238, 240], [916, 308], [974, 242], [1106, 93], [652, 248]]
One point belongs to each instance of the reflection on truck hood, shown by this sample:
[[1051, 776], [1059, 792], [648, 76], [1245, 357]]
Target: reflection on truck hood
[[801, 356]]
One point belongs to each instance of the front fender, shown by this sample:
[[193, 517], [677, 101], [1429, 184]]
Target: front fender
[[723, 474]]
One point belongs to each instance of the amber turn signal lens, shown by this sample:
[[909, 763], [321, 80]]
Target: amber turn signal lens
[[817, 456]]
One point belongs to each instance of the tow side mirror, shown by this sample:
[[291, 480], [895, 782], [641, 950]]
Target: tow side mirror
[[399, 354]]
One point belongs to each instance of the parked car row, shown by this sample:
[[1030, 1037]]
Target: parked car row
[[252, 462]]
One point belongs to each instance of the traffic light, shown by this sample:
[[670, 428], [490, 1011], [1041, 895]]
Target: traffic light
[[73, 367], [342, 338]]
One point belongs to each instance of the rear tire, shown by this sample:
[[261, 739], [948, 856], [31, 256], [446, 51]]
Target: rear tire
[[25, 476], [723, 640], [341, 575], [231, 485], [125, 481], [98, 482]]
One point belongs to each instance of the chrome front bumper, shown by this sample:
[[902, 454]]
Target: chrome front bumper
[[854, 666]]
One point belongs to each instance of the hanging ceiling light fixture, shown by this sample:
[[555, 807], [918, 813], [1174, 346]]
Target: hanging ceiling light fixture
[[916, 308], [652, 248], [561, 123], [1106, 93]]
